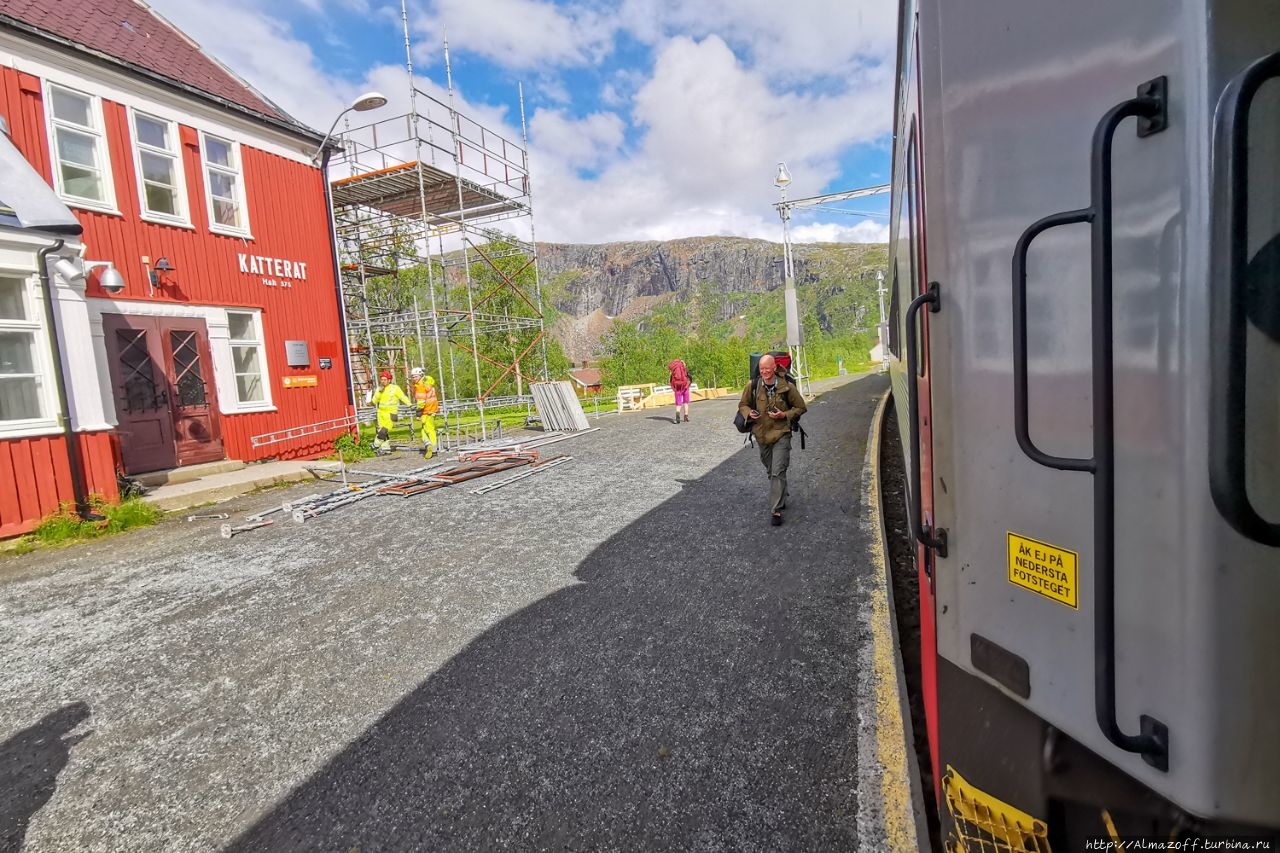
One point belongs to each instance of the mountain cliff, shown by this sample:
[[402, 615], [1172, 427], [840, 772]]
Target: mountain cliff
[[706, 280]]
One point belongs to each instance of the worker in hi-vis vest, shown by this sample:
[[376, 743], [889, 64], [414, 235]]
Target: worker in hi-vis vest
[[388, 399], [427, 403]]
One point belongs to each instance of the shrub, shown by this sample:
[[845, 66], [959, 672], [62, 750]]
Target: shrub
[[349, 448]]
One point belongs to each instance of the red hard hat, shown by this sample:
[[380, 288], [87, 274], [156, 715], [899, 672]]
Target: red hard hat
[[384, 375]]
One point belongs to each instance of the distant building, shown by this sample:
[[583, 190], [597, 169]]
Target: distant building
[[219, 320], [587, 381]]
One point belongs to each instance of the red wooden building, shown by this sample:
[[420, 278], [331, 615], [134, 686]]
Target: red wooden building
[[214, 321]]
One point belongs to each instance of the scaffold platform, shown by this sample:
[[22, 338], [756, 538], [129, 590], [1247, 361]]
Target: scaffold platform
[[395, 190]]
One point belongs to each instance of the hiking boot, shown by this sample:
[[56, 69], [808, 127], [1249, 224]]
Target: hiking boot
[[677, 417], [776, 519], [686, 418]]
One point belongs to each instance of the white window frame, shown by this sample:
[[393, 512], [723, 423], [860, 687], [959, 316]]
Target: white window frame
[[238, 172], [102, 149], [40, 358], [183, 216], [265, 404]]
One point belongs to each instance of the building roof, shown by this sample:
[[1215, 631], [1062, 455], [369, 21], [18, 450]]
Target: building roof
[[586, 376], [131, 33]]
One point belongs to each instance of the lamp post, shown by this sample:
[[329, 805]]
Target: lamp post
[[795, 333], [364, 103], [795, 345]]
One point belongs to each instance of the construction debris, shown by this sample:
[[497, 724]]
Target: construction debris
[[228, 531], [537, 468], [476, 460], [210, 515], [476, 464]]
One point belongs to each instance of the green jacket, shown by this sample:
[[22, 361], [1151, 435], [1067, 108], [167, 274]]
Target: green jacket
[[787, 398]]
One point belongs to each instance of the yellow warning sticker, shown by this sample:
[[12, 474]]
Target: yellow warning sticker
[[1044, 568]]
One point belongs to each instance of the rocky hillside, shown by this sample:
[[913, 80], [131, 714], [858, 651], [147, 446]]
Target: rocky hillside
[[590, 286]]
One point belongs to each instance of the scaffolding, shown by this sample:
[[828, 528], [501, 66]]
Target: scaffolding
[[433, 194]]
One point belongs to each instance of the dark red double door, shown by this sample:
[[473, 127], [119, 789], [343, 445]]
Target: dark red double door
[[162, 379]]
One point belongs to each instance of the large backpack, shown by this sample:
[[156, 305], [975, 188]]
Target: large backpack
[[783, 362], [679, 375], [781, 359]]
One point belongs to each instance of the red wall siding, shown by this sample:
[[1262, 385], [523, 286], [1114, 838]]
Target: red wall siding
[[35, 477], [98, 452], [288, 219]]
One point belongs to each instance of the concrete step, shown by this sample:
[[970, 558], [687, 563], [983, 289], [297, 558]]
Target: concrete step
[[228, 484], [188, 473]]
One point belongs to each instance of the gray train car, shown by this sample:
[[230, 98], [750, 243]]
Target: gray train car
[[1085, 345]]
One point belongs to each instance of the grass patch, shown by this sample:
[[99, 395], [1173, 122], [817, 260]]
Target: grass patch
[[67, 526], [349, 450]]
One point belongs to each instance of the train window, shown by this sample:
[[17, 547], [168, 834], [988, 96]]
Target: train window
[[1262, 306], [894, 342], [913, 235], [906, 246]]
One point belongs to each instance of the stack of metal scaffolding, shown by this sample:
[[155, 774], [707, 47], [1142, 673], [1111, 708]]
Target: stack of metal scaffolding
[[474, 461], [558, 406]]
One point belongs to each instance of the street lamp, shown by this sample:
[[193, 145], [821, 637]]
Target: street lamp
[[364, 103], [794, 345]]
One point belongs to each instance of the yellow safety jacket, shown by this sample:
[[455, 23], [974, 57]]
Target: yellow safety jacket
[[424, 397], [390, 398]]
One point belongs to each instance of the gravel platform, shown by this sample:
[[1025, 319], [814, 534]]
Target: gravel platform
[[617, 654]]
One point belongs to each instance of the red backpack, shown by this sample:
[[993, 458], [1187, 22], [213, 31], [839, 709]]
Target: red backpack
[[679, 375]]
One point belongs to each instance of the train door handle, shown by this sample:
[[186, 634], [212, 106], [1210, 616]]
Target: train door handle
[[1227, 309], [1021, 403], [1150, 108], [935, 539]]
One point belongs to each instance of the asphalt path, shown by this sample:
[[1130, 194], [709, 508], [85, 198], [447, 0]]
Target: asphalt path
[[617, 654]]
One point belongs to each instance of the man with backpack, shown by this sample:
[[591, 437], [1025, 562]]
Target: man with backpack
[[771, 405], [680, 387]]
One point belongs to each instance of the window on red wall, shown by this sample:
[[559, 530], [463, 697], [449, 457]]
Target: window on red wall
[[224, 180], [161, 186], [248, 356], [25, 387], [81, 163]]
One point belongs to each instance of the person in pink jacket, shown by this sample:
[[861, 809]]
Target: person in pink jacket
[[680, 387]]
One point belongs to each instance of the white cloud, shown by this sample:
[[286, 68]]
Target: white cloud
[[866, 231], [795, 40], [586, 143], [520, 34], [621, 86], [713, 132]]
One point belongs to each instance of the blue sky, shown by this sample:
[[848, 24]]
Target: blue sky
[[647, 119]]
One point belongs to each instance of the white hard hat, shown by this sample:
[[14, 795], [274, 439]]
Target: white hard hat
[[417, 371]]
